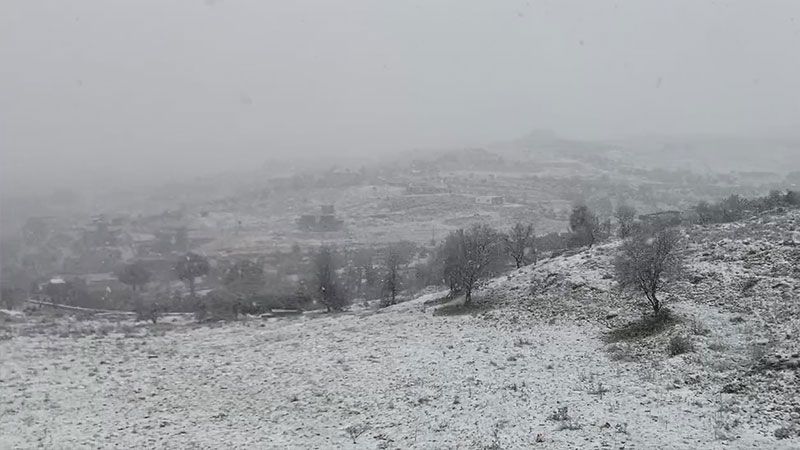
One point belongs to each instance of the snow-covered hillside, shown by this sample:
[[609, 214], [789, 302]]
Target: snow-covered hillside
[[548, 358]]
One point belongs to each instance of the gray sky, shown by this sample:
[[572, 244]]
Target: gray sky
[[164, 87]]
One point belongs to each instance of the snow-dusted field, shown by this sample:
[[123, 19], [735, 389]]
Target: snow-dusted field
[[403, 377], [533, 368]]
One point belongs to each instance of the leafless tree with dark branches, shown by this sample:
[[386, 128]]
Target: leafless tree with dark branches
[[392, 278], [646, 261], [330, 293], [626, 216], [475, 250], [584, 225], [519, 244]]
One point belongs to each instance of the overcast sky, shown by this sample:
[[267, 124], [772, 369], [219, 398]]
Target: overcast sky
[[128, 86]]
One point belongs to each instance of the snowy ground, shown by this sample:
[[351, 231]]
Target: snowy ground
[[404, 377]]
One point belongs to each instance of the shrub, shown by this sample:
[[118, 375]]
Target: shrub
[[147, 310], [679, 345], [749, 284], [584, 225], [134, 275], [699, 328], [354, 431], [626, 216], [560, 415], [218, 304], [191, 266]]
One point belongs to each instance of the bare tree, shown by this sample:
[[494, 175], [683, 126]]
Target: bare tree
[[325, 271], [646, 261], [367, 279], [371, 276], [584, 225], [519, 244], [134, 275], [625, 215], [448, 256], [475, 250], [392, 279], [189, 267]]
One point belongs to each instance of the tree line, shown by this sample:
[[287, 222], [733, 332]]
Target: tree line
[[648, 256]]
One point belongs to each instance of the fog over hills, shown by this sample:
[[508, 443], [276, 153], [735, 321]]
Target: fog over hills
[[95, 93], [400, 224]]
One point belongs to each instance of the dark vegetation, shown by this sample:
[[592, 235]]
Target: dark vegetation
[[457, 308], [626, 219], [647, 326], [680, 344], [469, 257], [584, 225], [328, 290], [395, 261], [646, 261], [134, 275], [735, 207], [519, 244], [189, 268]]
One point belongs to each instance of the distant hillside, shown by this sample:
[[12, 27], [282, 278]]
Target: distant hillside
[[713, 153], [697, 154]]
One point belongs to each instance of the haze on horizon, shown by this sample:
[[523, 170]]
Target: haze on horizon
[[110, 92]]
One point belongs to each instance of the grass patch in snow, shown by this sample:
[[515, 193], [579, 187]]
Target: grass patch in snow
[[645, 327], [438, 300], [459, 308], [679, 345]]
